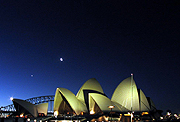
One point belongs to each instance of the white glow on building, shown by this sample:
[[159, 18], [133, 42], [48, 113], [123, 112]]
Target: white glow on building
[[11, 98]]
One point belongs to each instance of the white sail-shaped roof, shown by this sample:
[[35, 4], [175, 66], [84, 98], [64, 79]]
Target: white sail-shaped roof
[[120, 107], [102, 101], [126, 94], [91, 84], [31, 108], [57, 100], [42, 108], [144, 104], [74, 103]]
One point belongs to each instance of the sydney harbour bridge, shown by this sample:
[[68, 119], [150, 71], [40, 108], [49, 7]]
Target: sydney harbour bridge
[[9, 109]]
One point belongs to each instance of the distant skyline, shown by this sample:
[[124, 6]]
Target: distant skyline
[[56, 43]]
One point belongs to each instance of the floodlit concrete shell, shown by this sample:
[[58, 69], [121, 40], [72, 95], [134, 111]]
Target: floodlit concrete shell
[[120, 107], [126, 94], [144, 104], [64, 95], [42, 108], [91, 84], [25, 107], [102, 101]]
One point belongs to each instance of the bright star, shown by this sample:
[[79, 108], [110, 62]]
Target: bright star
[[61, 59]]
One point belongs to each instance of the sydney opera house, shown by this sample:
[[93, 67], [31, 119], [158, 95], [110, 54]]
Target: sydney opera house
[[91, 100]]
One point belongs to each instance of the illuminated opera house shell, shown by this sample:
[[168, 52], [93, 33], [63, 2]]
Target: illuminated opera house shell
[[26, 108], [91, 99]]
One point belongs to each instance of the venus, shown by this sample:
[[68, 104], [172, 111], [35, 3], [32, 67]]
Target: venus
[[61, 59]]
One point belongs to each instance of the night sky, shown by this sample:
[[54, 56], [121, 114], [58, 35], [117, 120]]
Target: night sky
[[103, 39]]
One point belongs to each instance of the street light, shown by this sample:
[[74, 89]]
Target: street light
[[111, 107]]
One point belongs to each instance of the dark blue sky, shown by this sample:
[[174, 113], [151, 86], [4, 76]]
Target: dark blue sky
[[106, 40]]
